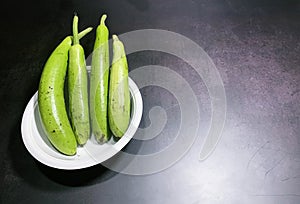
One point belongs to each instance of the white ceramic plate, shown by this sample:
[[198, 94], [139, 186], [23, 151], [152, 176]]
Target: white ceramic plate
[[92, 153]]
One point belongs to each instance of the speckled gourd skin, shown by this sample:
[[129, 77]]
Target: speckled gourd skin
[[52, 103]]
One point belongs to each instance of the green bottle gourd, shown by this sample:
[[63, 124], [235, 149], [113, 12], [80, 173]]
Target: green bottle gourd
[[78, 89], [119, 96], [99, 84]]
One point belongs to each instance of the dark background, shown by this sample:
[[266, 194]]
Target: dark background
[[254, 45]]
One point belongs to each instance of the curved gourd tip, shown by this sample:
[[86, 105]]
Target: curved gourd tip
[[103, 18]]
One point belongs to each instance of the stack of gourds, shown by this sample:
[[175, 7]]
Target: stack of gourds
[[99, 102]]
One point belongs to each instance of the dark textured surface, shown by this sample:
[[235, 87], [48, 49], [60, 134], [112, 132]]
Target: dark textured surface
[[255, 45]]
